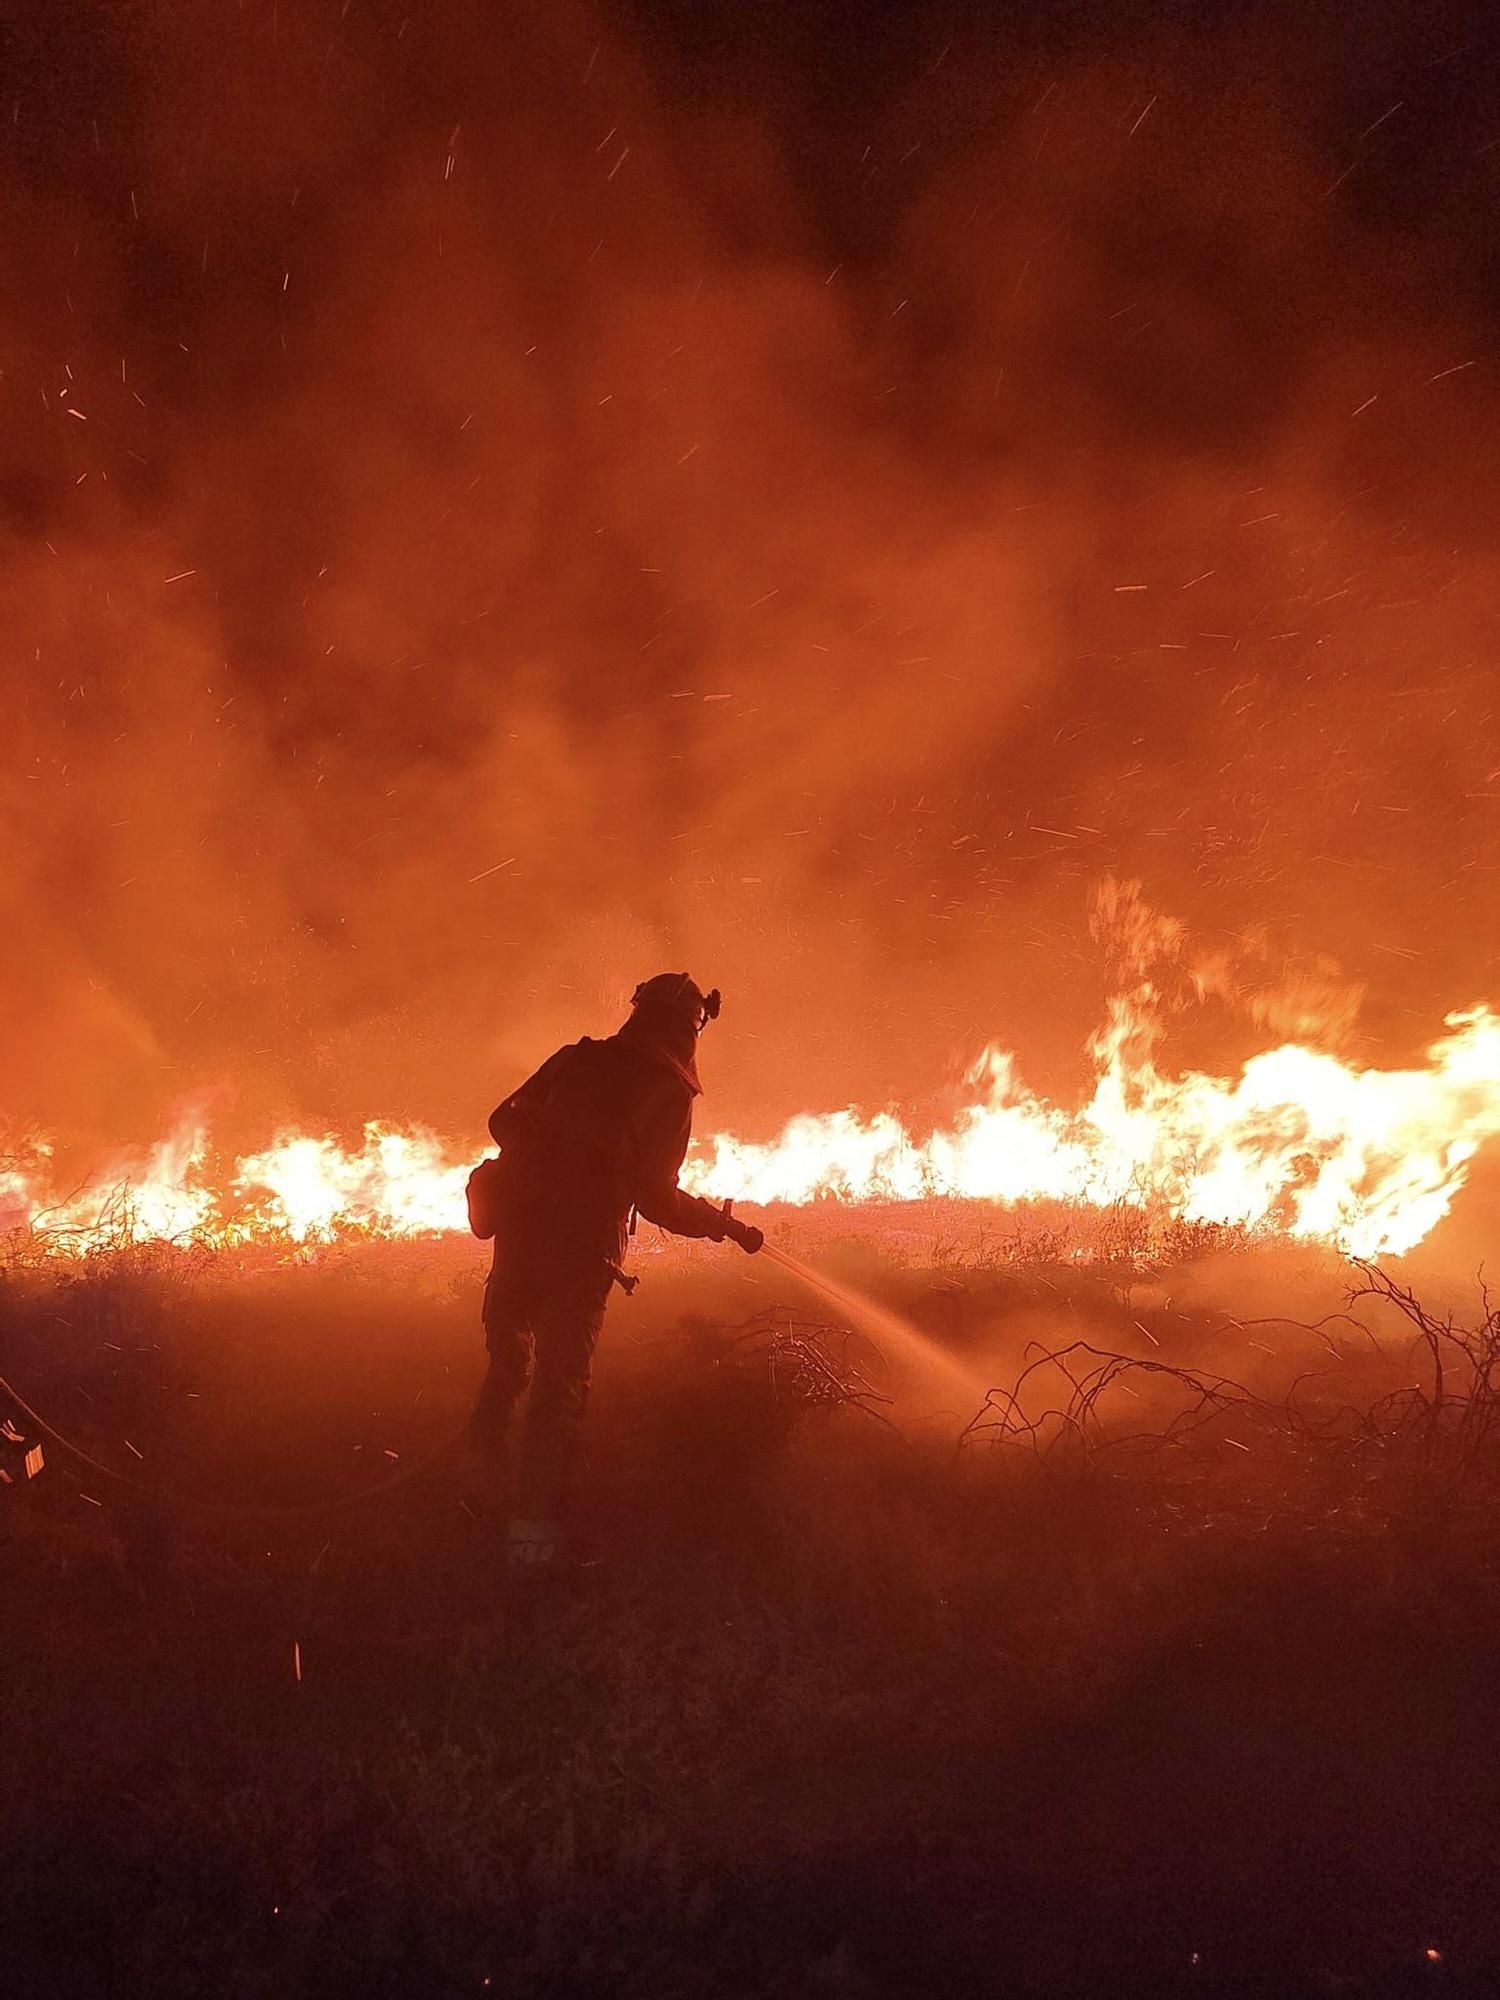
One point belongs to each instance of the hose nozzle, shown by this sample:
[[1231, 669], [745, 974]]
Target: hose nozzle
[[745, 1234]]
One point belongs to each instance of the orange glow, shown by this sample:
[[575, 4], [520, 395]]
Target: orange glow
[[1368, 1160], [1298, 1143]]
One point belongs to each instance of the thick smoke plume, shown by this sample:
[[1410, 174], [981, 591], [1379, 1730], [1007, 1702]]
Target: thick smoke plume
[[496, 502]]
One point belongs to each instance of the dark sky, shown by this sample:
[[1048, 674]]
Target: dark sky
[[494, 501]]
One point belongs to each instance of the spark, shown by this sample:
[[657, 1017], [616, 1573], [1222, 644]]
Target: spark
[[1379, 122]]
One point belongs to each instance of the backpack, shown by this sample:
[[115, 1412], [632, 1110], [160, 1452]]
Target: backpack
[[574, 1129], [542, 1144]]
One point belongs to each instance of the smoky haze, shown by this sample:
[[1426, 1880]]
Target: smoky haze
[[494, 504]]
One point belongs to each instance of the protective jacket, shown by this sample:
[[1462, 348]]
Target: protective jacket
[[600, 1129]]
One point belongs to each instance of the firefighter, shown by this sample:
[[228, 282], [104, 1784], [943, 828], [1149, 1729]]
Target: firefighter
[[598, 1134]]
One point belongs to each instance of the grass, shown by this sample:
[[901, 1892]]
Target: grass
[[830, 1707]]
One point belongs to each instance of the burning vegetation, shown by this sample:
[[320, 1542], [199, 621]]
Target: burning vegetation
[[976, 530], [1299, 1143], [448, 573]]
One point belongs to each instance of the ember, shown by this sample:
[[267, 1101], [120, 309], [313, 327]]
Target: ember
[[967, 530]]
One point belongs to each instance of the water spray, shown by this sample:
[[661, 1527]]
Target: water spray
[[898, 1333]]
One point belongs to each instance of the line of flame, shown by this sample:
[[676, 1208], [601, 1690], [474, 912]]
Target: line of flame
[[1298, 1142]]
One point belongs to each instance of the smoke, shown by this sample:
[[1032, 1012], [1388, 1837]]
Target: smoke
[[492, 504]]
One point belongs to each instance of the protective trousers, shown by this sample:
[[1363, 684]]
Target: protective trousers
[[541, 1328]]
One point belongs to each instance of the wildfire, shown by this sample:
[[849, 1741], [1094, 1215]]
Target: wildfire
[[1366, 1159], [1298, 1142]]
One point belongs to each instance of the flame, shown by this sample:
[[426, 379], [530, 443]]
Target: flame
[[399, 1183], [160, 1196], [1368, 1160], [1298, 1142]]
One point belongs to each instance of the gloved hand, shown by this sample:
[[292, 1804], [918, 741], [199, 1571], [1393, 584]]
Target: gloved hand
[[745, 1234]]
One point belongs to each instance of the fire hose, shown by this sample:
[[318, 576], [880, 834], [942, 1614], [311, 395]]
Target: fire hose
[[225, 1509]]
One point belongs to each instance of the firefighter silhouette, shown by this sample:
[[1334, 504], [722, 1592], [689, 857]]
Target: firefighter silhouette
[[598, 1134]]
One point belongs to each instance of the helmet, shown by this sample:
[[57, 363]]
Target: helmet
[[675, 996]]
